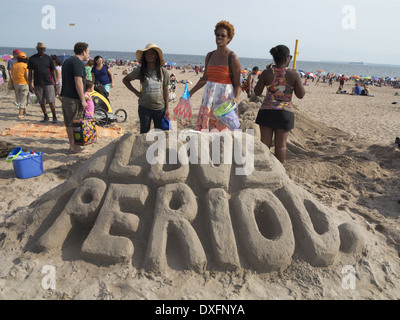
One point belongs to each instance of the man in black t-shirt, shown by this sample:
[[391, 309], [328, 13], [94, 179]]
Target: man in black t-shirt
[[73, 91], [41, 80]]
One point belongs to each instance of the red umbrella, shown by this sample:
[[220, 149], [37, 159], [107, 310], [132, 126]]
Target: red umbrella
[[6, 57]]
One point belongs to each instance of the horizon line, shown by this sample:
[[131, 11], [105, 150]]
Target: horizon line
[[189, 54]]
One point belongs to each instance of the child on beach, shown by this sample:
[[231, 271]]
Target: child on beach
[[89, 111]]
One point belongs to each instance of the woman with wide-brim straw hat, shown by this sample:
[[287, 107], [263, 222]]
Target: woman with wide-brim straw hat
[[154, 81], [139, 53]]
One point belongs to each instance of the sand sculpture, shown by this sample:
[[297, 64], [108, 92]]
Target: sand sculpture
[[214, 215]]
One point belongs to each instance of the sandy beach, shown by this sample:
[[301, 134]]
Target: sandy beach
[[341, 153]]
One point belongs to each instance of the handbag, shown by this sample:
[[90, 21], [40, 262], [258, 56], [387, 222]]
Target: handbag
[[85, 132], [183, 109], [32, 98], [165, 124]]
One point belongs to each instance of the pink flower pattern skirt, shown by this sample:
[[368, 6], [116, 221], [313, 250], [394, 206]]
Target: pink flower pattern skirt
[[214, 95]]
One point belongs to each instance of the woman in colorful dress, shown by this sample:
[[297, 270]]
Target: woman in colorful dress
[[221, 78], [276, 116]]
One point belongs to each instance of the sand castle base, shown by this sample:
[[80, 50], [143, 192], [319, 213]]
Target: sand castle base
[[209, 213]]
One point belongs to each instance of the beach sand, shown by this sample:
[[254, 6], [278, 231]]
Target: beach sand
[[341, 151]]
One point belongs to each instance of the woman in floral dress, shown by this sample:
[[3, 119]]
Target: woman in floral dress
[[221, 78]]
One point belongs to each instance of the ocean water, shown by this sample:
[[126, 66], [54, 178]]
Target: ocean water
[[378, 70]]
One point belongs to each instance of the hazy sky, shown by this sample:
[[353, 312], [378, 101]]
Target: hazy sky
[[350, 30]]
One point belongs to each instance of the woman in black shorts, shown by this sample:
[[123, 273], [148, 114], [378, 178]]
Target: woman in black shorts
[[276, 116]]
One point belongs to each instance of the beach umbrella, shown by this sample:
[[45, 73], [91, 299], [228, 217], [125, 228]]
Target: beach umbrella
[[311, 74], [320, 71], [6, 57], [171, 63], [356, 77]]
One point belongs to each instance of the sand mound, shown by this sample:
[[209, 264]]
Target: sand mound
[[120, 196], [123, 228], [190, 214]]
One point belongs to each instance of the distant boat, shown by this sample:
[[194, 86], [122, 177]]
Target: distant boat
[[359, 63]]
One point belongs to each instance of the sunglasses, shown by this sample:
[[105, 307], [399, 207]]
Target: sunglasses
[[221, 35]]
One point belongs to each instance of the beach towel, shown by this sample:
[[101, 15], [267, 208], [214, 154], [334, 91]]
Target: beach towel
[[55, 131]]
